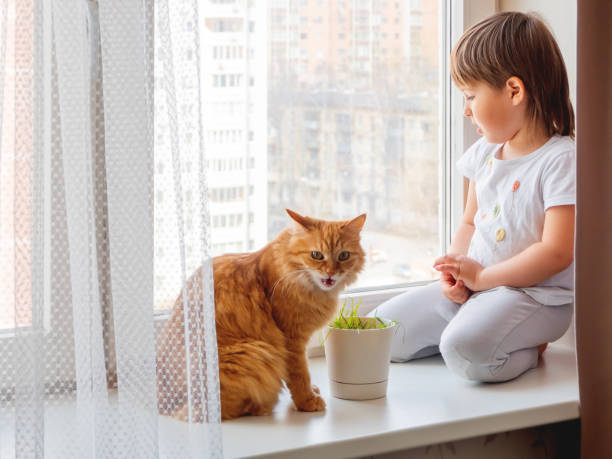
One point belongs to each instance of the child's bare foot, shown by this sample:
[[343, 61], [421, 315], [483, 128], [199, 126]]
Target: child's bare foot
[[541, 348]]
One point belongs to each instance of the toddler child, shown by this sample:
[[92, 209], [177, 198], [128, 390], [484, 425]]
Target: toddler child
[[506, 285]]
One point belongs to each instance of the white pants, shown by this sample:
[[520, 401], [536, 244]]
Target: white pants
[[492, 337]]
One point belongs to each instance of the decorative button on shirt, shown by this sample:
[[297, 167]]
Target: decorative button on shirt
[[500, 235]]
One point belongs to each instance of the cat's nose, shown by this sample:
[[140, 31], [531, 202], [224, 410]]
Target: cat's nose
[[330, 273]]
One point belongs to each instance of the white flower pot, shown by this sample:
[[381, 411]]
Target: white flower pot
[[358, 361]]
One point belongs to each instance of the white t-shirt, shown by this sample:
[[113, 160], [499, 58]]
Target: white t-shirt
[[513, 196]]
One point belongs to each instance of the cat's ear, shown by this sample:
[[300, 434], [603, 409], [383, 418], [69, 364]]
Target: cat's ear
[[306, 222], [356, 224]]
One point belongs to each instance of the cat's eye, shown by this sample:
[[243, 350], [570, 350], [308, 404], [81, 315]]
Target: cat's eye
[[316, 255], [343, 256]]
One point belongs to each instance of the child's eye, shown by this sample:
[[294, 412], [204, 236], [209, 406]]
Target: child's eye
[[469, 97], [316, 255]]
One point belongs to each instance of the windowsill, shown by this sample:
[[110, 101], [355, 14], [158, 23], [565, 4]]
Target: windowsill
[[425, 404]]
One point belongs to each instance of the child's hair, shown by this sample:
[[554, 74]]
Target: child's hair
[[516, 44]]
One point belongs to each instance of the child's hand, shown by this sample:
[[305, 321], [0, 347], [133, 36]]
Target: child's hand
[[461, 268], [455, 291]]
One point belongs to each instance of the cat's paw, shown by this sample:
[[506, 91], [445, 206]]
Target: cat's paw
[[315, 389], [313, 402]]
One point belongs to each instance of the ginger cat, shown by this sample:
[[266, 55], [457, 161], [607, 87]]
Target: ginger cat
[[267, 305]]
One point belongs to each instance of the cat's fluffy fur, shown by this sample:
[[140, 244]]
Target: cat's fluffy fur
[[268, 304]]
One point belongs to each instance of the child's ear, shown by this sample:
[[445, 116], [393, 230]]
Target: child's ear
[[516, 89]]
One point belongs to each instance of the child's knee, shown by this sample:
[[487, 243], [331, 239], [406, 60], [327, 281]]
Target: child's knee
[[467, 355]]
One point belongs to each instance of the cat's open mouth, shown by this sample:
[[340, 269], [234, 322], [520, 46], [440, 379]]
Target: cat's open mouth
[[328, 282]]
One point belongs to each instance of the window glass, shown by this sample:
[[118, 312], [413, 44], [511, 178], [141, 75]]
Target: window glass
[[337, 115], [16, 138]]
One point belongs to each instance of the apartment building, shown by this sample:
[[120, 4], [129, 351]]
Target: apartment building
[[232, 94]]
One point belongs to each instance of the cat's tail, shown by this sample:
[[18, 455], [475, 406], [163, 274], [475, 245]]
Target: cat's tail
[[251, 374]]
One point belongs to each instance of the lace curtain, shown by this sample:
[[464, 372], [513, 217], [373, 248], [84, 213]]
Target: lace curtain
[[90, 114]]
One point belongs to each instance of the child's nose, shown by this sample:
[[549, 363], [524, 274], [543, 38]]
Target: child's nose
[[467, 111]]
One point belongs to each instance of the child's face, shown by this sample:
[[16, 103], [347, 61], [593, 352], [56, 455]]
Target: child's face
[[496, 112]]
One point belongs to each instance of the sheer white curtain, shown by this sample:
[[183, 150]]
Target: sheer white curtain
[[80, 82]]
